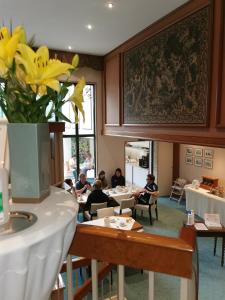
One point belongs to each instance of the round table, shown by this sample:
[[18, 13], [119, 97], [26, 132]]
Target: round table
[[31, 259]]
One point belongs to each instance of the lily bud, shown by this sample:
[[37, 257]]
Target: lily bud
[[75, 61]]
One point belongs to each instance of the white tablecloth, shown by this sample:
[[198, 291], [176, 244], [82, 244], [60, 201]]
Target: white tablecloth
[[31, 259], [123, 223], [111, 193], [201, 201]]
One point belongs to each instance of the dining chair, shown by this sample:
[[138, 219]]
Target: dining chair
[[95, 207], [126, 207], [105, 212], [148, 207]]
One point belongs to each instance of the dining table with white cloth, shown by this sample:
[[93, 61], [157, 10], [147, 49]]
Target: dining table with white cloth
[[118, 194], [31, 259], [202, 201]]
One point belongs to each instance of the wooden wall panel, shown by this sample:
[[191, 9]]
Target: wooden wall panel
[[112, 90], [221, 54], [214, 133]]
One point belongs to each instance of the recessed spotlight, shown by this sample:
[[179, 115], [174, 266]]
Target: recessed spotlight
[[110, 5], [89, 27], [69, 47]]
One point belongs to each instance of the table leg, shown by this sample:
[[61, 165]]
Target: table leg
[[223, 248], [215, 243]]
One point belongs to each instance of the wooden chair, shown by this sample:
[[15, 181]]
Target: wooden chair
[[126, 207], [95, 207], [148, 207], [105, 212]]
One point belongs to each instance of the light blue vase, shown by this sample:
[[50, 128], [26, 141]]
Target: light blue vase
[[29, 161]]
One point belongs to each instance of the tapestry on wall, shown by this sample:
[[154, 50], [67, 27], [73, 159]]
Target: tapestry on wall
[[166, 77]]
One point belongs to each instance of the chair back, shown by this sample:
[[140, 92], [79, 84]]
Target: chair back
[[127, 203], [180, 182], [96, 206], [153, 199], [105, 212]]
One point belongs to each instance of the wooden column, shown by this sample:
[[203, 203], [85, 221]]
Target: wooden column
[[56, 130]]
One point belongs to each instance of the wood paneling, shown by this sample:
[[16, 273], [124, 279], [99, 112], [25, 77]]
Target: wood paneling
[[220, 17], [158, 253], [112, 90], [214, 133]]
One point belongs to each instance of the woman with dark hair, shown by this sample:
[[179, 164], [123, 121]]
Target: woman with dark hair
[[117, 178], [101, 177]]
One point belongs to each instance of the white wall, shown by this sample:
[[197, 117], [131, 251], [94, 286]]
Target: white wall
[[191, 172]]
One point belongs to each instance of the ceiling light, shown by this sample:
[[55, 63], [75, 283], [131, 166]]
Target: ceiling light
[[69, 47], [109, 5], [89, 26]]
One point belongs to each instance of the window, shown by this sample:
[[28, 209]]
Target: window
[[79, 139]]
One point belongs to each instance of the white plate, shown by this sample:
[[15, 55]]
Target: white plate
[[113, 220]]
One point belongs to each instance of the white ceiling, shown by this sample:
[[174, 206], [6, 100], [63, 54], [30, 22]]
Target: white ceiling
[[61, 23]]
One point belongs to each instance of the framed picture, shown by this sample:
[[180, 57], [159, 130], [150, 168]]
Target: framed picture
[[198, 162], [208, 153], [198, 152], [188, 151], [208, 163], [174, 85], [189, 160]]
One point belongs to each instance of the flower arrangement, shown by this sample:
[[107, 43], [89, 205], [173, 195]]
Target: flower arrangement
[[30, 90]]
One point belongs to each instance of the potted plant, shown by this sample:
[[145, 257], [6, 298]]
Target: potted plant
[[30, 93]]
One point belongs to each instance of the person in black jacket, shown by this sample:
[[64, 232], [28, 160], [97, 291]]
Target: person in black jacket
[[96, 196], [117, 179], [150, 188]]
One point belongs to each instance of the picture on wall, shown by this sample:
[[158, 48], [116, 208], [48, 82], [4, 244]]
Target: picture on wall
[[188, 151], [208, 153], [198, 162], [208, 163], [166, 76], [198, 152], [189, 160]]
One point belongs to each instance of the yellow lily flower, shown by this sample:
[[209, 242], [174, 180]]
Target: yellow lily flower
[[77, 98], [75, 61], [8, 46], [40, 71]]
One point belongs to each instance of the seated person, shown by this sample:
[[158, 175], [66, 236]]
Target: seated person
[[117, 178], [69, 183], [82, 185], [101, 177], [151, 188], [96, 196]]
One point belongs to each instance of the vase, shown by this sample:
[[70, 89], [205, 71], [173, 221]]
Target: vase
[[29, 146]]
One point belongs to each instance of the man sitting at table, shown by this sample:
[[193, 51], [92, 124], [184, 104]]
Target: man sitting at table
[[150, 188], [98, 196], [82, 185]]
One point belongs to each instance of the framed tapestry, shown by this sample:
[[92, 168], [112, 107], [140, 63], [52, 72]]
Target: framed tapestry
[[166, 77]]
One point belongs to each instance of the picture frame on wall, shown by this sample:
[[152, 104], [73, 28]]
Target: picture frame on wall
[[208, 163], [189, 160], [198, 152], [198, 162], [208, 153], [188, 151]]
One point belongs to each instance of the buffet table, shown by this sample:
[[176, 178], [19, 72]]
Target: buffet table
[[31, 259], [201, 201]]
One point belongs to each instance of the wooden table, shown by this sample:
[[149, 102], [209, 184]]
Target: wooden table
[[213, 232]]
